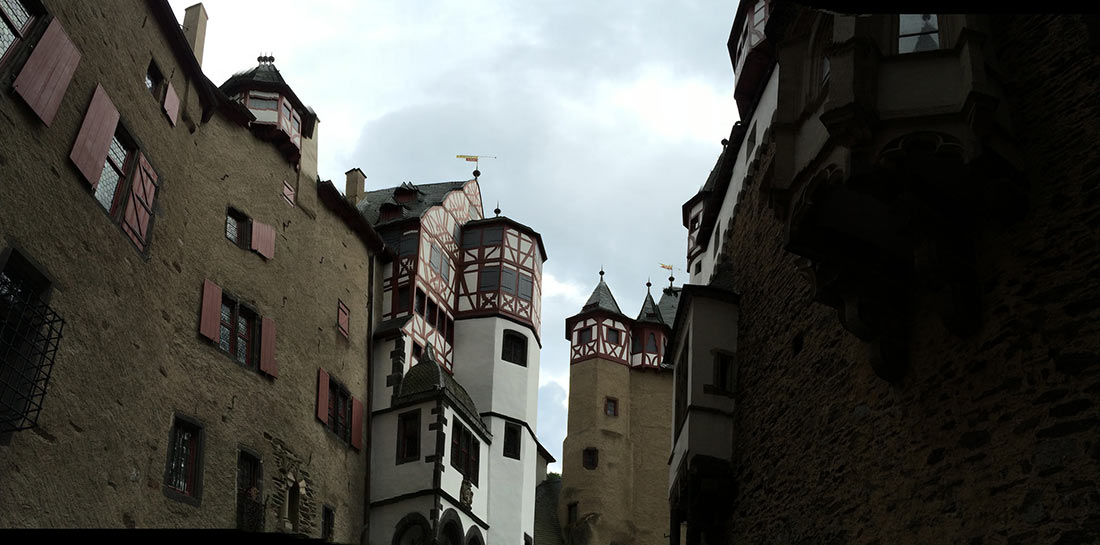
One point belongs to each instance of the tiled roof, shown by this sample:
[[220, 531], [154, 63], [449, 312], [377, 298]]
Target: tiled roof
[[427, 196], [601, 298], [670, 299], [547, 529], [649, 313], [427, 378]]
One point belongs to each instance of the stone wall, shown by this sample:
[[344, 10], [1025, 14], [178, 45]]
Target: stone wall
[[987, 439]]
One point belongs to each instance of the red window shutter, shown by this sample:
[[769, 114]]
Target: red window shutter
[[356, 424], [322, 395], [288, 193], [90, 151], [267, 347], [171, 103], [139, 207], [210, 314], [46, 75], [263, 239], [342, 317]]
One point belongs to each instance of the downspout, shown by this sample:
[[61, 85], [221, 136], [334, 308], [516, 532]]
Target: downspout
[[364, 537]]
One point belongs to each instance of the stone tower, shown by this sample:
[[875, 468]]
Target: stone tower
[[615, 455]]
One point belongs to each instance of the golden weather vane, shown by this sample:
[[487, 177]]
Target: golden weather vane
[[474, 159]]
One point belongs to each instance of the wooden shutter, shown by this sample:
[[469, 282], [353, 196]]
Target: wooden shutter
[[210, 314], [263, 239], [342, 317], [356, 424], [288, 193], [47, 73], [92, 142], [322, 395], [267, 347], [139, 207], [171, 104]]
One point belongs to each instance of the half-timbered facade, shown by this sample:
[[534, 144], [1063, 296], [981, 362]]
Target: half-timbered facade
[[461, 301]]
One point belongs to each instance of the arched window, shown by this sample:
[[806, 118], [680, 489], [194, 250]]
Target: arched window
[[514, 348]]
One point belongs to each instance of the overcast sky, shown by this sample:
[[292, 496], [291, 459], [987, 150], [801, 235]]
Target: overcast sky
[[604, 118]]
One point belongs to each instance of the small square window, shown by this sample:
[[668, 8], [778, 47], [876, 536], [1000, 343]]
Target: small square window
[[584, 335], [611, 407], [613, 336], [238, 228]]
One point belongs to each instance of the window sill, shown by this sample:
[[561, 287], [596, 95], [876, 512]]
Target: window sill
[[176, 495], [714, 390]]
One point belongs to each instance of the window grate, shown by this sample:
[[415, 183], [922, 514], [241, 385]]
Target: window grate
[[30, 332]]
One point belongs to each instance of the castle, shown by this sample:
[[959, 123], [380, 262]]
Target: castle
[[197, 332]]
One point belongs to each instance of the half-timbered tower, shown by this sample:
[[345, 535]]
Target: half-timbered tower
[[467, 290], [620, 403]]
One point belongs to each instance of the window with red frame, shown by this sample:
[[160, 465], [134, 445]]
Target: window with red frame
[[15, 21], [339, 410], [237, 332], [183, 473]]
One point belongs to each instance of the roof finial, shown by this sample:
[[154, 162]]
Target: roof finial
[[601, 273], [671, 279], [497, 209], [476, 173], [648, 284]]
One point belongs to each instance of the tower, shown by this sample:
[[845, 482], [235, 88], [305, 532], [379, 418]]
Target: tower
[[614, 463]]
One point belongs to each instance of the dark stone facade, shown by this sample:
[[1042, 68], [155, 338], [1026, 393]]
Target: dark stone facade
[[990, 437]]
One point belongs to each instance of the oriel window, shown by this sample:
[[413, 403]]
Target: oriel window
[[918, 32]]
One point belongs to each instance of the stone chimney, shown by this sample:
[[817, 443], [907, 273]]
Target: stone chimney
[[355, 189], [194, 29]]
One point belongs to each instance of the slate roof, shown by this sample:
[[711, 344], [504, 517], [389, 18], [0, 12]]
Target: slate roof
[[547, 529], [427, 379], [602, 299], [649, 313], [670, 299], [427, 196], [261, 73]]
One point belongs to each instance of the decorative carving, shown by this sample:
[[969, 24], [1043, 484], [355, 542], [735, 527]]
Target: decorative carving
[[466, 493]]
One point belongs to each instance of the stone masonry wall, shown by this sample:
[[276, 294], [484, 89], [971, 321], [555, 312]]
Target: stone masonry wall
[[988, 439]]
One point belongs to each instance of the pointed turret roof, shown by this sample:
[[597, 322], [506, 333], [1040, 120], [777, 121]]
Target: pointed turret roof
[[670, 299], [649, 313], [601, 299]]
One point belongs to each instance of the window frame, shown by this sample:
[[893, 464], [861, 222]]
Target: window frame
[[897, 34], [518, 348], [514, 450], [252, 347], [584, 332], [192, 493], [402, 454], [590, 458], [124, 171], [491, 272], [617, 334], [611, 406], [19, 33], [244, 236], [338, 393]]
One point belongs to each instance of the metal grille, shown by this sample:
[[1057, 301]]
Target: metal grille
[[30, 332], [250, 513]]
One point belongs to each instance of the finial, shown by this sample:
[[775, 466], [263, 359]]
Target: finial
[[497, 209], [601, 273], [725, 142], [671, 279], [476, 173], [648, 284]]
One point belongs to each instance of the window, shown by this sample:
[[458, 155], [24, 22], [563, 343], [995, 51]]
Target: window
[[571, 516], [651, 344], [514, 348], [420, 298], [918, 33], [249, 507], [154, 82], [694, 223], [445, 270], [15, 21], [433, 313], [30, 332], [263, 101], [591, 458], [611, 407], [613, 336], [441, 322], [343, 318], [237, 332], [507, 280], [238, 228], [328, 523], [184, 472], [436, 259], [339, 410], [417, 351], [409, 242], [464, 452], [408, 436], [471, 238], [635, 343], [489, 279], [120, 177], [526, 287], [699, 266], [527, 540], [723, 372], [716, 242], [450, 330], [493, 235], [390, 212], [402, 303], [584, 335], [512, 435]]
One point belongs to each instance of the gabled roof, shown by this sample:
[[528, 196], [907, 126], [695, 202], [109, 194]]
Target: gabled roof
[[649, 313], [428, 379], [601, 299], [428, 195]]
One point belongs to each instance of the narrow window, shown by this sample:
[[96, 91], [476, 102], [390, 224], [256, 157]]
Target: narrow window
[[328, 523], [489, 279], [184, 458], [408, 436], [698, 266], [450, 330], [526, 287], [436, 258], [591, 458], [512, 434], [403, 303], [651, 344], [417, 351], [154, 81], [694, 223], [918, 32], [441, 322], [465, 452], [584, 335], [288, 193], [249, 508], [527, 540], [635, 343], [751, 144], [238, 228], [507, 280], [433, 311], [613, 336], [611, 407], [446, 270], [420, 298], [339, 410], [716, 241], [114, 172], [723, 372], [571, 516], [514, 348]]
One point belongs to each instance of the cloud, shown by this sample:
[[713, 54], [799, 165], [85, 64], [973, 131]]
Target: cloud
[[553, 406]]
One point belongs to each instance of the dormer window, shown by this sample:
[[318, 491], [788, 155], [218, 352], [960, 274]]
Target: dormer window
[[918, 32], [262, 101]]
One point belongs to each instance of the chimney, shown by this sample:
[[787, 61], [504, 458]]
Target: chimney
[[355, 189], [194, 29]]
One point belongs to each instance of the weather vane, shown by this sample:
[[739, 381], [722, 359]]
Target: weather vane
[[669, 268], [473, 159]]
